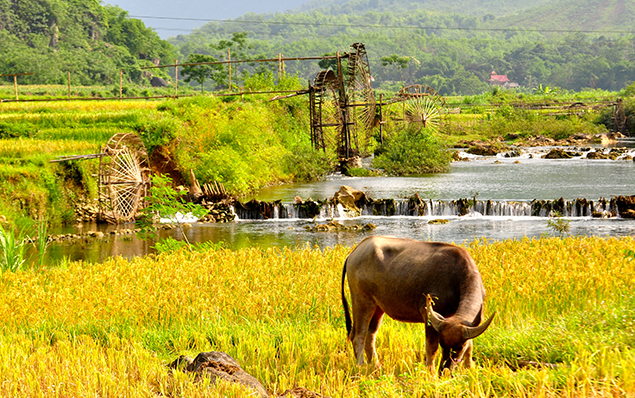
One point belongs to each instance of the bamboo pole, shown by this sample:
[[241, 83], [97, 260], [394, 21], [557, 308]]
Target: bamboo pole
[[69, 84], [311, 116], [229, 65], [15, 81], [176, 78], [345, 55]]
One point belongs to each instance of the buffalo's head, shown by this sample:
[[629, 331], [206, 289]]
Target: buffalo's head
[[455, 335]]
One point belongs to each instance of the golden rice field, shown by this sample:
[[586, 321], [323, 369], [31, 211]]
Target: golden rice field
[[78, 105], [109, 330], [26, 147]]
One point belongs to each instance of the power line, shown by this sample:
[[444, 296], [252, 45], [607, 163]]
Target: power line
[[406, 27]]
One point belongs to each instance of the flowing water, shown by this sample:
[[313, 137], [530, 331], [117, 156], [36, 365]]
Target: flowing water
[[504, 191]]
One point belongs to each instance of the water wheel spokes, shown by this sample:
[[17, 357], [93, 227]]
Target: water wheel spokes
[[361, 97], [123, 177], [420, 104]]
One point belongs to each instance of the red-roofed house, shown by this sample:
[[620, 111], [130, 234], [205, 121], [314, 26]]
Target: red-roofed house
[[501, 80]]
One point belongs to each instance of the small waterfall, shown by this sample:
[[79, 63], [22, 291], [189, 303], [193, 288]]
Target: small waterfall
[[416, 207]]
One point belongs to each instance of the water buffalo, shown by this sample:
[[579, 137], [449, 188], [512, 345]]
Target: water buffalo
[[401, 277]]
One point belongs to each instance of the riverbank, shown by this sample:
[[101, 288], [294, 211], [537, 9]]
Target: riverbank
[[246, 143], [111, 329]]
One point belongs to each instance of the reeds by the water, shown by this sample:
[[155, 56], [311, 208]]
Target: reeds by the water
[[110, 329]]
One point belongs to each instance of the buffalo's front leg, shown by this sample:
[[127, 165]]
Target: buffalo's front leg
[[432, 346], [466, 355]]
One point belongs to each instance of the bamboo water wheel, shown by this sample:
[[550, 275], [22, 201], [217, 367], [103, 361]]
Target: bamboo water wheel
[[124, 177], [343, 105], [420, 104], [327, 117]]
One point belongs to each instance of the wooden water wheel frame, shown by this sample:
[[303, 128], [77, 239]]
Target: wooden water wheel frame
[[420, 104], [353, 113], [124, 177], [327, 113]]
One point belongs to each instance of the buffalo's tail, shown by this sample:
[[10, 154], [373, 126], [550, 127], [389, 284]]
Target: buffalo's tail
[[347, 315]]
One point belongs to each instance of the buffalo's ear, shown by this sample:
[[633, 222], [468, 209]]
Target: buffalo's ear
[[470, 332]]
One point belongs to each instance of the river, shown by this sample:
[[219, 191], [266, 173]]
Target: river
[[509, 184]]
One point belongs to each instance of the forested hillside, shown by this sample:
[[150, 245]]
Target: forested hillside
[[606, 16], [93, 41], [452, 45], [470, 7], [452, 52]]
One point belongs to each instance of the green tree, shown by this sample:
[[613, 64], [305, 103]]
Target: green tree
[[236, 46], [396, 61], [201, 73], [413, 150]]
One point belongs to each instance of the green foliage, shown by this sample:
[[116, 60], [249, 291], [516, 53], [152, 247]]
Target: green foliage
[[92, 41], [166, 202], [559, 225], [241, 143], [158, 130], [459, 57], [42, 241], [12, 250], [308, 164], [507, 119], [395, 60], [412, 151], [201, 73], [265, 81], [170, 245], [546, 90]]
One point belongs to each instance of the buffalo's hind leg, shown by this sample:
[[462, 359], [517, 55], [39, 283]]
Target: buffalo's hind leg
[[369, 346], [363, 313]]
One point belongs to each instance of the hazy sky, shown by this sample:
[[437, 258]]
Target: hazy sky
[[210, 9]]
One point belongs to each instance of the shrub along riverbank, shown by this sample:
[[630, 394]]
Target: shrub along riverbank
[[111, 329]]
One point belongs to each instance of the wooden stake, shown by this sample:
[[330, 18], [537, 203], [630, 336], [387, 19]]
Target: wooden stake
[[69, 84], [120, 83], [229, 58], [15, 86], [176, 78], [279, 67], [381, 121]]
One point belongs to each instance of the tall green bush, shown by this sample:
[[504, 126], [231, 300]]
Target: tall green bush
[[414, 150], [12, 250]]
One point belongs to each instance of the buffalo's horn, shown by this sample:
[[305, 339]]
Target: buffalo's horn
[[436, 319], [470, 332]]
